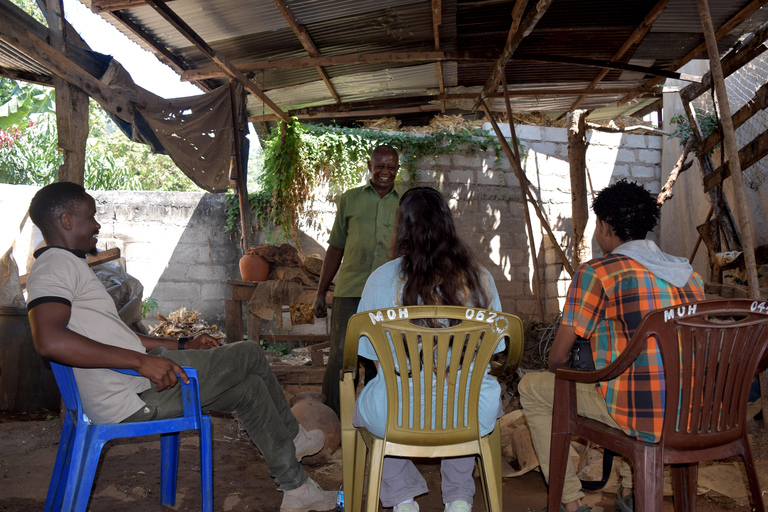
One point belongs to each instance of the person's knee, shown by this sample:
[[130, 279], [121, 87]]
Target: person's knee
[[534, 386]]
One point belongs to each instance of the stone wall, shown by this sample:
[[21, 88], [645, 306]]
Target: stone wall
[[175, 243]]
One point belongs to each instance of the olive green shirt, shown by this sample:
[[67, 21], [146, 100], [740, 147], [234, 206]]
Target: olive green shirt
[[363, 229]]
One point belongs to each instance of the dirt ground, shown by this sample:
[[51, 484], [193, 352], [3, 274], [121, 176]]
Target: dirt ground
[[128, 478]]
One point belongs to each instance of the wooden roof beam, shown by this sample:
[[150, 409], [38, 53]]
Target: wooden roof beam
[[364, 58], [308, 44], [739, 18], [354, 113], [163, 54], [220, 60], [422, 57], [637, 35], [100, 6], [15, 33], [518, 30]]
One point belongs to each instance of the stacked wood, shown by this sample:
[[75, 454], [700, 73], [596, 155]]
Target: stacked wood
[[184, 323]]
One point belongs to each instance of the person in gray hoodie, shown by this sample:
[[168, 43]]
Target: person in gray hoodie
[[608, 298]]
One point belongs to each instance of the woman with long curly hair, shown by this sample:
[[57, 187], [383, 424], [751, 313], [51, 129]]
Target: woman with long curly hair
[[430, 265]]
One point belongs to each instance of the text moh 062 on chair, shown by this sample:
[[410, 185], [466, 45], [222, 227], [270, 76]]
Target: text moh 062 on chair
[[81, 443], [413, 430], [711, 351]]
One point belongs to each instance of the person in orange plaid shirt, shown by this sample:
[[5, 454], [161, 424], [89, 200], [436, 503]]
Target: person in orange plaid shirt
[[607, 299]]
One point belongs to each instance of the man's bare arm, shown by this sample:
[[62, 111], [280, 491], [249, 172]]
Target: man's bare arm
[[331, 264], [199, 342], [560, 352], [55, 341]]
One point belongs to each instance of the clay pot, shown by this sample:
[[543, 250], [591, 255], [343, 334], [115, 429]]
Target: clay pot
[[312, 413], [253, 268]]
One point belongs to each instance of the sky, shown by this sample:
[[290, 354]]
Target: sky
[[143, 66], [145, 69]]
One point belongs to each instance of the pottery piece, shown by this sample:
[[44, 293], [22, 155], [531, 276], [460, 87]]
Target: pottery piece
[[312, 413]]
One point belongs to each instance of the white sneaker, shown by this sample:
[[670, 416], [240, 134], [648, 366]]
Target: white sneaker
[[308, 443], [308, 497], [458, 506], [406, 507]]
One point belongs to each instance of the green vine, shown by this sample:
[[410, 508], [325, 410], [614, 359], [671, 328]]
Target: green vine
[[709, 122], [299, 158]]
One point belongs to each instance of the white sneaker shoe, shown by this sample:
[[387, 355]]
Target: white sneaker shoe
[[406, 507], [308, 497], [308, 443], [458, 506]]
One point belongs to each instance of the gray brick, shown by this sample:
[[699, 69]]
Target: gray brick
[[490, 177], [461, 177], [552, 134], [634, 141], [655, 141], [545, 148], [528, 133], [649, 156], [641, 171], [625, 155], [621, 171]]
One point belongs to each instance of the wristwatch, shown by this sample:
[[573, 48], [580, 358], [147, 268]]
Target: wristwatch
[[183, 341]]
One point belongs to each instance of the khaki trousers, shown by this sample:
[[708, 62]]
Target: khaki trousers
[[537, 391]]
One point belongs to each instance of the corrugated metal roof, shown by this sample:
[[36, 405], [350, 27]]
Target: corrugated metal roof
[[254, 30]]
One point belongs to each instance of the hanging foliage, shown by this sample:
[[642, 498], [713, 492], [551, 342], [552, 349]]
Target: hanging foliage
[[299, 159]]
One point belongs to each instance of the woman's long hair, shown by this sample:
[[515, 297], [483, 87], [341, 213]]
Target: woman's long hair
[[437, 266]]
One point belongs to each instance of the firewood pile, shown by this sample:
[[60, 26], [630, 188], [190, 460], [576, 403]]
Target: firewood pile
[[184, 323]]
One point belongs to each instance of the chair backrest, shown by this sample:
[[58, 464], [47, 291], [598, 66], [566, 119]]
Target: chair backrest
[[65, 379], [441, 369], [710, 352]]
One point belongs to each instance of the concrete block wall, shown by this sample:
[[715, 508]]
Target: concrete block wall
[[175, 243]]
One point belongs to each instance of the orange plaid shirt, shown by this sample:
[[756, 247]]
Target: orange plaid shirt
[[608, 298]]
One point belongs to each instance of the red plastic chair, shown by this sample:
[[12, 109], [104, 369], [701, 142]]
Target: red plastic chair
[[82, 441], [711, 351]]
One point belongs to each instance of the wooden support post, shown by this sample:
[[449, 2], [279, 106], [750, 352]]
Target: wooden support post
[[71, 105], [521, 180], [698, 240], [732, 154], [242, 187], [577, 158], [527, 191], [731, 150]]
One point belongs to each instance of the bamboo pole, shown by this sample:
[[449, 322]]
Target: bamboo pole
[[242, 188]]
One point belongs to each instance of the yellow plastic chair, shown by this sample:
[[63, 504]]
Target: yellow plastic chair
[[420, 428]]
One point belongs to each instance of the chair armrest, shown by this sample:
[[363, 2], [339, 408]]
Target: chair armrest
[[637, 344], [190, 393]]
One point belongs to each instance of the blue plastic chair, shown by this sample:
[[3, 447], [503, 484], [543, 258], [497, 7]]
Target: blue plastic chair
[[82, 441]]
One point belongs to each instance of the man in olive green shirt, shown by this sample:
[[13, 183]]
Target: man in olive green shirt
[[359, 244]]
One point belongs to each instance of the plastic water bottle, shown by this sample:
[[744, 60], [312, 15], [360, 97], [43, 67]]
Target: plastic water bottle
[[340, 499]]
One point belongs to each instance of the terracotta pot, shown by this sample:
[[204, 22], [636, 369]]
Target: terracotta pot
[[312, 413], [253, 268]]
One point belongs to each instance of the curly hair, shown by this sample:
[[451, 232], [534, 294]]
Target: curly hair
[[437, 266], [51, 201], [628, 208]]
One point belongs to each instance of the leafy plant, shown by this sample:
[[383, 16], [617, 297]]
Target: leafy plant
[[298, 159], [709, 122], [29, 147], [279, 350], [147, 305]]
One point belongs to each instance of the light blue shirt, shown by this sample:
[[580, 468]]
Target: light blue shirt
[[383, 290]]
